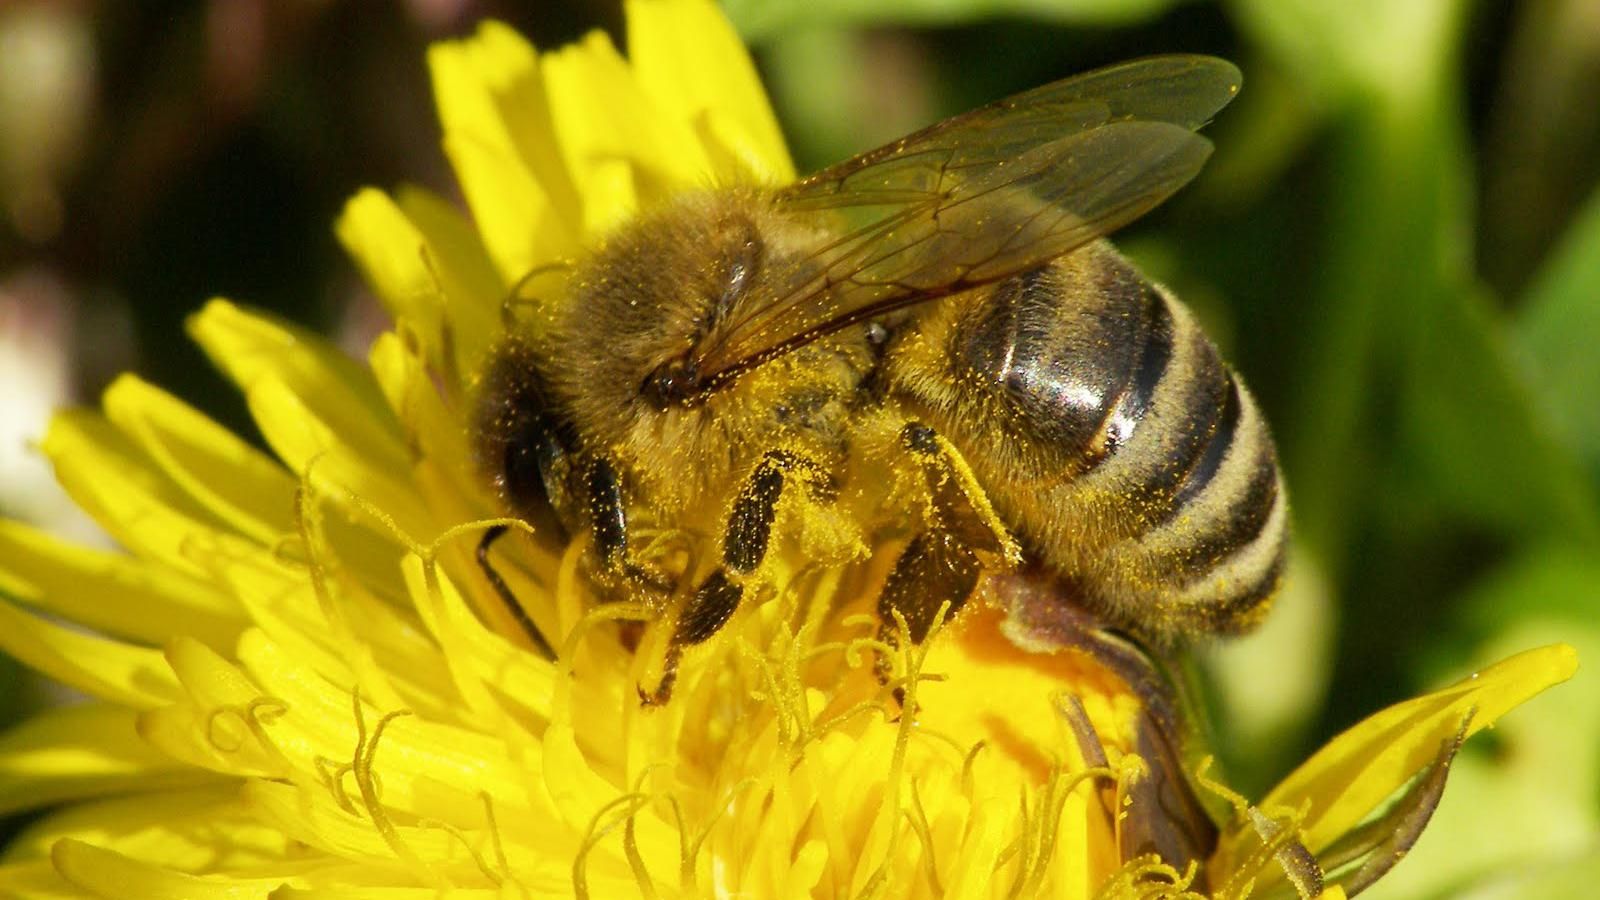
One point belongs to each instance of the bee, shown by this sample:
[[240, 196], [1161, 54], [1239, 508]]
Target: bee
[[945, 305]]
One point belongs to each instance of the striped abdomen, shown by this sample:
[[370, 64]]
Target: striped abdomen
[[1112, 438]]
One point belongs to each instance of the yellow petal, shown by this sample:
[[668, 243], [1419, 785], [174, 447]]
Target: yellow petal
[[339, 636], [433, 428], [611, 195], [75, 752], [37, 880], [693, 65], [365, 892], [498, 134], [112, 592], [474, 290], [1353, 773], [319, 721], [311, 816], [191, 830], [508, 67], [396, 260], [603, 117], [106, 873], [518, 224], [103, 668], [486, 668], [250, 347], [204, 741], [231, 479], [225, 724], [308, 442], [111, 480]]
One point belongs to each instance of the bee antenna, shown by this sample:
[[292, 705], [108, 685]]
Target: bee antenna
[[515, 296]]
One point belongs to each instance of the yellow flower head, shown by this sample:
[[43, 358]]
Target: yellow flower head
[[304, 686]]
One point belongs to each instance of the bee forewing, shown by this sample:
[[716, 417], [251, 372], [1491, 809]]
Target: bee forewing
[[982, 196], [1180, 90]]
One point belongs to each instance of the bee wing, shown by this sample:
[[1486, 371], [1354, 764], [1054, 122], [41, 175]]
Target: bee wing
[[985, 195]]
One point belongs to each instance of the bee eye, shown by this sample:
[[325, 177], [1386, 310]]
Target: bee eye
[[522, 474]]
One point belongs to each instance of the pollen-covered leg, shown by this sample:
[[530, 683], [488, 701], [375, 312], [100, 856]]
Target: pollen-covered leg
[[749, 531], [934, 571], [957, 505], [942, 564], [744, 548], [712, 605], [607, 516]]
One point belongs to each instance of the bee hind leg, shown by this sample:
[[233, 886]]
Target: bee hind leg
[[941, 566], [934, 571], [744, 548]]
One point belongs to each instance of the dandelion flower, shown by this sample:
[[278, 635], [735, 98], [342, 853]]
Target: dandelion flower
[[302, 684]]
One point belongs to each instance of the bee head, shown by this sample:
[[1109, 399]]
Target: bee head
[[657, 289]]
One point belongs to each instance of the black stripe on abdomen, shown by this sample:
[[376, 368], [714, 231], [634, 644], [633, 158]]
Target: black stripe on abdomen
[[1204, 394], [1154, 358], [1222, 436]]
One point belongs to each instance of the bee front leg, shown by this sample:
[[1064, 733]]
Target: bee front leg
[[541, 644], [607, 516], [593, 483], [942, 564], [744, 547]]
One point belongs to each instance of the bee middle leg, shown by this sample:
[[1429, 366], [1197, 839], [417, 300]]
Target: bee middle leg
[[744, 547]]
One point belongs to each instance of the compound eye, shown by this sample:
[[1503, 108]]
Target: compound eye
[[522, 475]]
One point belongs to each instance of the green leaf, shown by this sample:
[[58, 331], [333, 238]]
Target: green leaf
[[1556, 582], [1395, 213], [1558, 336], [1568, 878], [1483, 446]]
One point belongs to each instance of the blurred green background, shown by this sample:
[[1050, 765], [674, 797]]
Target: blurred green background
[[1397, 242]]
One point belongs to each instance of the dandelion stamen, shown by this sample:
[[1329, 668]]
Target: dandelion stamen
[[330, 774], [308, 524], [466, 843], [918, 816], [629, 804], [366, 776]]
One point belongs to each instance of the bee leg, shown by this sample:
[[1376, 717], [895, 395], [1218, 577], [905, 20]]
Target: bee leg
[[942, 564], [712, 605], [607, 522], [512, 605], [608, 518], [935, 570], [744, 543], [957, 504], [744, 547]]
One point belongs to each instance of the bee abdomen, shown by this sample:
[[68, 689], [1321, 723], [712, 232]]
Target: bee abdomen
[[1075, 371], [1058, 399], [1202, 537], [1112, 439], [1219, 551]]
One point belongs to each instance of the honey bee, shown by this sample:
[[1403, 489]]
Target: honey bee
[[943, 305]]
